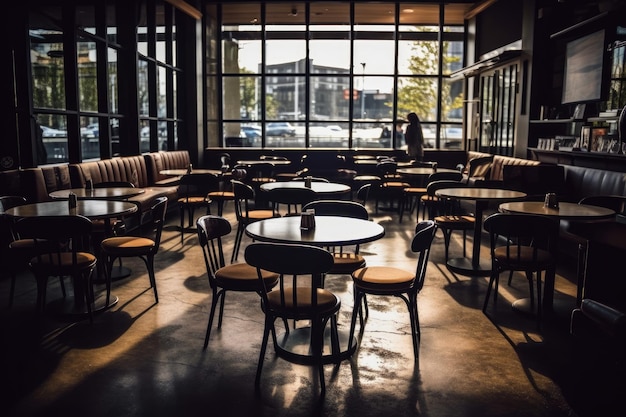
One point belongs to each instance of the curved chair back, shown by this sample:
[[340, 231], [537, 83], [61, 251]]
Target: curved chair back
[[421, 244], [616, 203], [343, 208], [292, 197], [158, 212], [211, 229], [445, 175]]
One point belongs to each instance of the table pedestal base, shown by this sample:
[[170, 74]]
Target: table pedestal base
[[464, 266], [68, 309], [560, 308], [296, 346]]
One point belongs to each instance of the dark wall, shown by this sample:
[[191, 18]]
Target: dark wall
[[499, 25]]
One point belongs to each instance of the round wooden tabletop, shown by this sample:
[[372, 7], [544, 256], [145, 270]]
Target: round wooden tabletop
[[106, 193], [328, 231], [475, 193], [92, 209], [564, 211], [420, 171], [182, 171], [318, 187]]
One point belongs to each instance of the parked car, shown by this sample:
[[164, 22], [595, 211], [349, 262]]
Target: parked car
[[283, 129], [49, 132], [251, 132]]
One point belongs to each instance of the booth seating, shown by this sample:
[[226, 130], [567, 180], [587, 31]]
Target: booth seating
[[158, 161]]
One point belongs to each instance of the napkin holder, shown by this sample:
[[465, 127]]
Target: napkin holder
[[307, 220], [551, 201]]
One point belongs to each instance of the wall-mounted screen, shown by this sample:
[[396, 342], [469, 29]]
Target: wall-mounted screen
[[584, 69]]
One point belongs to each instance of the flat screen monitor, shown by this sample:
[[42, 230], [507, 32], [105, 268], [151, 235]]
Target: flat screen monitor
[[584, 76]]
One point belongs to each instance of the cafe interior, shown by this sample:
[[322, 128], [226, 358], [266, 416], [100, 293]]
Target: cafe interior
[[215, 208]]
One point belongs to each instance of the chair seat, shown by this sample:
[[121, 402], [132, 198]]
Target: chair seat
[[221, 195], [327, 303], [457, 222], [381, 279], [63, 265], [194, 200], [415, 190], [523, 258], [243, 277], [261, 214], [127, 245]]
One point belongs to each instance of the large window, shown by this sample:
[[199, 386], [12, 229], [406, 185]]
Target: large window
[[335, 74]]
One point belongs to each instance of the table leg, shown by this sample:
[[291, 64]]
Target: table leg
[[473, 267]]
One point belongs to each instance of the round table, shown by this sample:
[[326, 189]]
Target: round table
[[323, 188], [105, 193], [183, 171], [482, 197], [274, 162], [328, 231], [92, 209], [421, 171], [565, 211]]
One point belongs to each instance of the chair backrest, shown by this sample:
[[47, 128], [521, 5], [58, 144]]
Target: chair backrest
[[421, 244], [363, 193], [211, 229], [292, 197], [445, 175], [158, 211], [6, 222], [343, 208], [244, 195], [71, 232], [197, 185], [291, 261], [10, 201], [616, 203], [514, 230], [433, 186]]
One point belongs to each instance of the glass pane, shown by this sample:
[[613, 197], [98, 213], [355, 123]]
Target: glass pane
[[111, 23], [418, 57], [142, 40], [112, 67], [90, 138], [115, 136], [330, 97], [241, 56], [242, 135], [451, 137], [47, 66], [452, 57], [419, 95], [241, 97], [162, 95], [374, 98], [374, 56], [324, 135], [452, 101], [142, 85], [370, 135], [284, 134], [174, 62], [285, 97], [330, 56], [160, 45], [87, 76], [54, 137], [280, 54]]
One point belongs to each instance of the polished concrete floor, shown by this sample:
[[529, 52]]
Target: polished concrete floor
[[145, 359]]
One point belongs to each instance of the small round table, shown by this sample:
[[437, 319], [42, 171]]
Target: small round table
[[328, 231], [568, 211], [105, 193], [179, 172], [482, 197], [326, 189]]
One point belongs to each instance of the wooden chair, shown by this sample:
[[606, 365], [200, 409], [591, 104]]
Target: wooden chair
[[143, 246], [245, 212], [521, 242], [61, 247], [222, 277], [18, 251], [303, 266], [293, 198], [391, 281], [226, 193], [193, 193]]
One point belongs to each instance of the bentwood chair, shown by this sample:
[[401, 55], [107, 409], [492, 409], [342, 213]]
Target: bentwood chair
[[246, 213], [144, 246], [66, 241], [297, 297], [391, 281], [222, 277], [226, 193], [293, 198], [18, 251], [521, 242], [193, 193]]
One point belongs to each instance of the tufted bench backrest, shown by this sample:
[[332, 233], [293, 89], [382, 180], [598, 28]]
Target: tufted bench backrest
[[583, 182], [499, 161], [125, 168], [158, 161]]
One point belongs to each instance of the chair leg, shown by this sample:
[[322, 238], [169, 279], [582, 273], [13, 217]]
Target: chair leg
[[356, 311], [214, 300], [493, 280], [150, 265], [266, 333], [415, 328]]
